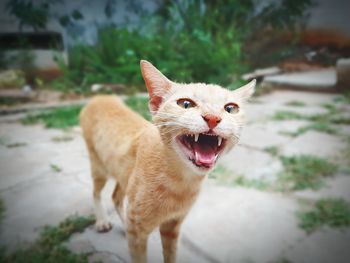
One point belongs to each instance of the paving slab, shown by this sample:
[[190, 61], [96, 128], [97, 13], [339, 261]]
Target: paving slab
[[321, 79], [282, 97], [240, 161], [304, 111], [337, 187], [260, 136], [325, 246], [243, 225], [315, 143], [286, 126]]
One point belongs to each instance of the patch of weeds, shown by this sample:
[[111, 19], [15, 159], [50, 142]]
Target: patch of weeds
[[49, 247], [16, 144], [61, 139], [3, 141], [331, 108], [2, 209], [330, 118], [332, 212], [9, 101], [344, 98], [52, 236], [295, 103], [251, 183], [55, 168], [304, 171], [139, 105], [59, 118], [221, 175], [345, 157], [287, 115], [340, 120], [226, 177], [273, 150], [316, 126]]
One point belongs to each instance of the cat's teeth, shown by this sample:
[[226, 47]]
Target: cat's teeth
[[196, 136], [219, 140]]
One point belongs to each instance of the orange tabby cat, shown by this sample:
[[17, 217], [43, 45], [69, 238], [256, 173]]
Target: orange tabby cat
[[159, 167]]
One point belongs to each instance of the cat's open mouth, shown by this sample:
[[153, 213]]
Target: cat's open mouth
[[202, 149]]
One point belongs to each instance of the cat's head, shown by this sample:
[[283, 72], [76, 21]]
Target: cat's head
[[199, 121]]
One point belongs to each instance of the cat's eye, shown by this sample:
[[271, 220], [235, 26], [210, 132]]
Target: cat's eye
[[186, 103], [231, 108]]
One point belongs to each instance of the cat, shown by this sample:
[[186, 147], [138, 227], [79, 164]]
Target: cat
[[159, 166]]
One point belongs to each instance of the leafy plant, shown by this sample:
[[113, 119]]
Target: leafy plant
[[295, 103], [139, 105], [49, 248], [304, 171], [332, 212], [190, 41], [60, 118]]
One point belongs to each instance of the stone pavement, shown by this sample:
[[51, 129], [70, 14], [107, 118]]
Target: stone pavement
[[227, 224]]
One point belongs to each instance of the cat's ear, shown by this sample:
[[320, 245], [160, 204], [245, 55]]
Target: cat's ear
[[157, 84], [246, 91]]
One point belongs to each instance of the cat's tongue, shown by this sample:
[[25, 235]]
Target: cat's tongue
[[205, 154]]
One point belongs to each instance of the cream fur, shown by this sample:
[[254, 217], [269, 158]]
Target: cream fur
[[151, 170]]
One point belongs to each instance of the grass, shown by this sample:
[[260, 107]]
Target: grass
[[66, 117], [16, 144], [331, 212], [49, 247], [316, 126], [59, 139], [140, 105], [273, 150], [226, 177], [55, 168], [295, 103], [2, 209], [287, 115], [319, 118], [344, 98], [59, 118], [304, 171], [320, 122], [251, 183]]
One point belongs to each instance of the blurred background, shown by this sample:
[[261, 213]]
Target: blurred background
[[282, 195]]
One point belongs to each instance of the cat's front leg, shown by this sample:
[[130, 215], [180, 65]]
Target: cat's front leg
[[169, 232], [137, 241]]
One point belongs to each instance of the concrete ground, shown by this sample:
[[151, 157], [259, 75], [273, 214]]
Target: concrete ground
[[227, 224]]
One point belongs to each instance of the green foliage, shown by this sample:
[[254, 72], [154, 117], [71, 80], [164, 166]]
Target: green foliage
[[332, 212], [287, 115], [66, 117], [59, 118], [16, 144], [226, 177], [53, 236], [273, 150], [36, 14], [189, 41], [55, 168], [295, 103], [2, 209], [344, 98], [49, 248], [139, 105], [320, 122], [116, 56], [251, 183], [304, 171]]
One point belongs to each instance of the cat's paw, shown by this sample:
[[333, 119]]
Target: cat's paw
[[103, 226]]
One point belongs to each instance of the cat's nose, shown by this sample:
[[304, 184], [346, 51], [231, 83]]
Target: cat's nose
[[212, 120]]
